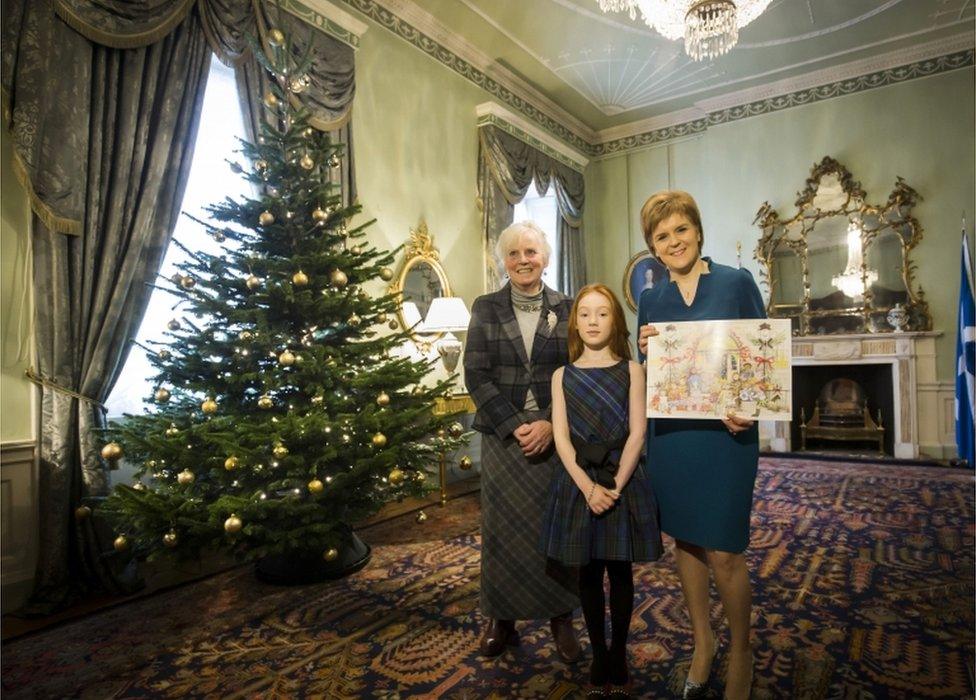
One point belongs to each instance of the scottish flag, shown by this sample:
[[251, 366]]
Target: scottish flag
[[965, 360]]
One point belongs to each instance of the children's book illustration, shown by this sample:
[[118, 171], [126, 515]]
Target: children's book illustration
[[707, 369]]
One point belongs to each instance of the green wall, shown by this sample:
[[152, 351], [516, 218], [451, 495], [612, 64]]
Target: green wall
[[416, 151], [15, 303], [921, 130]]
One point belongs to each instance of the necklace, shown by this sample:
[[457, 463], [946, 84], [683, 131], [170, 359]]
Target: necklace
[[528, 308]]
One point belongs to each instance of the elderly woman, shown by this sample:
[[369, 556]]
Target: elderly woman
[[516, 340], [703, 472]]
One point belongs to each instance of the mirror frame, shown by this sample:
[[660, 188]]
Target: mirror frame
[[419, 249], [896, 214]]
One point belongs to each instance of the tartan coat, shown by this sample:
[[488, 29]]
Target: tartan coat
[[497, 371]]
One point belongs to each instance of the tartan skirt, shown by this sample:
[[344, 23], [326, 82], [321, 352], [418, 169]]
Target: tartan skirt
[[517, 581], [629, 531]]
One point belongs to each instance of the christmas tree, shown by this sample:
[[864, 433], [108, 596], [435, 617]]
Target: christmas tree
[[280, 417]]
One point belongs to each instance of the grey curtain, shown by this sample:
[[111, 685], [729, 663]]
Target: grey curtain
[[103, 103], [507, 166]]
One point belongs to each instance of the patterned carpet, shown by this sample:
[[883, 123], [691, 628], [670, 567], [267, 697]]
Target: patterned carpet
[[864, 587]]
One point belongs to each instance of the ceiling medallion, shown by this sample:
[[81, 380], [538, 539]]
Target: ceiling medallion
[[710, 27]]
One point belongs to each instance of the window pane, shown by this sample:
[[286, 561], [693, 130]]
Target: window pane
[[542, 209], [210, 180]]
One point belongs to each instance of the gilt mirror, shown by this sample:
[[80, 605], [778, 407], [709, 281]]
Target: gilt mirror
[[420, 280], [840, 264]]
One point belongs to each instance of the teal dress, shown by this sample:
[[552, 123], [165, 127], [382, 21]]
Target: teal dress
[[702, 475]]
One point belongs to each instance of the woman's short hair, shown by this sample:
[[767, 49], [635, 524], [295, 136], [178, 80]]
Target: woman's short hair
[[660, 205], [619, 343], [510, 236]]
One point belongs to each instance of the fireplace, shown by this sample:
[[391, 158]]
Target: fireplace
[[896, 372], [868, 385]]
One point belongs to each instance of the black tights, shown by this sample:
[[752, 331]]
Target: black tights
[[610, 663]]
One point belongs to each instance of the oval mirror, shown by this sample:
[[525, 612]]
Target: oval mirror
[[421, 279]]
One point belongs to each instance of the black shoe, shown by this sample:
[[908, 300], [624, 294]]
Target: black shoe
[[498, 634]]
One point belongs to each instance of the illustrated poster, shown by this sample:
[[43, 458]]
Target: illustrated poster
[[707, 369]]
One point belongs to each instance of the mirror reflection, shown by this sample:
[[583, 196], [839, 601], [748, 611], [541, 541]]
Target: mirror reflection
[[841, 265], [421, 279]]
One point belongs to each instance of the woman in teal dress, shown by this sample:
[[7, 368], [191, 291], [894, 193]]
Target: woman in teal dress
[[703, 471]]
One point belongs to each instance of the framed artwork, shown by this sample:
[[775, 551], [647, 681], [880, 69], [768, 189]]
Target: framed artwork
[[643, 272], [708, 369]]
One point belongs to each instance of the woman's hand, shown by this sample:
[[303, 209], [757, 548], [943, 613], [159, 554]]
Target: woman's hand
[[645, 332], [736, 425], [601, 500], [534, 438]]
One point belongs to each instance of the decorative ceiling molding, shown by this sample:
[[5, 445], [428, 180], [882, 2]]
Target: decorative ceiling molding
[[882, 78], [522, 129], [783, 88], [423, 31], [330, 19]]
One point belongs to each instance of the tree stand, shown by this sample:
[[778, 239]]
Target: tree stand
[[304, 567]]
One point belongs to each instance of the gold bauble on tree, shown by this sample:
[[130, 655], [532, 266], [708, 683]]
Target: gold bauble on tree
[[465, 463], [82, 513], [233, 524], [231, 463], [306, 162], [276, 37], [253, 281], [317, 400], [421, 517], [266, 218], [121, 543], [170, 539], [287, 358], [188, 282], [185, 477], [209, 406], [383, 399], [334, 161], [270, 99], [381, 318], [386, 274], [315, 486], [394, 324], [379, 440], [260, 165], [162, 395], [280, 451], [164, 354], [112, 451], [396, 476], [339, 278], [139, 486], [319, 214], [265, 402], [173, 325], [331, 554], [172, 430], [456, 430], [354, 321], [299, 279]]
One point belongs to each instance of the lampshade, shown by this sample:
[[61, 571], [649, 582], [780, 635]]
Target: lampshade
[[447, 314]]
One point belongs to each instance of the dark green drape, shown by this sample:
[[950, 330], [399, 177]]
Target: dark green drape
[[506, 167]]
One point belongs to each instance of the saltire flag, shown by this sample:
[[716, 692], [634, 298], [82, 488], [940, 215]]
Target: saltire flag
[[965, 361]]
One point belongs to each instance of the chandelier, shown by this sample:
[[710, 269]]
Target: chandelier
[[855, 278], [710, 27]]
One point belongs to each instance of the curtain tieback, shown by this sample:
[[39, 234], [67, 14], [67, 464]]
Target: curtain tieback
[[41, 380]]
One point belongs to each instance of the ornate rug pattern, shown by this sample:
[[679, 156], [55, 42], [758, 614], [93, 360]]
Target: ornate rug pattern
[[863, 582]]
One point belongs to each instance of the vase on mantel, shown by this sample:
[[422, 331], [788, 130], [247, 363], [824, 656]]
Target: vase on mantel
[[897, 317]]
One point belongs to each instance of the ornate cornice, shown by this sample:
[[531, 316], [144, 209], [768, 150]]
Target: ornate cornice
[[328, 18], [493, 113], [799, 98], [423, 31]]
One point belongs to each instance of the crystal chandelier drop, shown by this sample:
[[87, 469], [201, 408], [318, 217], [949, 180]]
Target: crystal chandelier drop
[[710, 27], [855, 278]]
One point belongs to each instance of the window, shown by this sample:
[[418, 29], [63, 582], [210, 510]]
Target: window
[[210, 180], [542, 209]]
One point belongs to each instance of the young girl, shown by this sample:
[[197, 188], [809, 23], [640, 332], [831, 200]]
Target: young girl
[[602, 514]]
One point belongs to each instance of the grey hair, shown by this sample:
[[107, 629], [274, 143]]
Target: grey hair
[[510, 235]]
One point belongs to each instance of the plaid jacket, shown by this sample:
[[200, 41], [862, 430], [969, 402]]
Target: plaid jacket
[[496, 370]]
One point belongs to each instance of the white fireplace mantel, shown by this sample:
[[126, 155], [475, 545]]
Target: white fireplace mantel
[[911, 356]]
